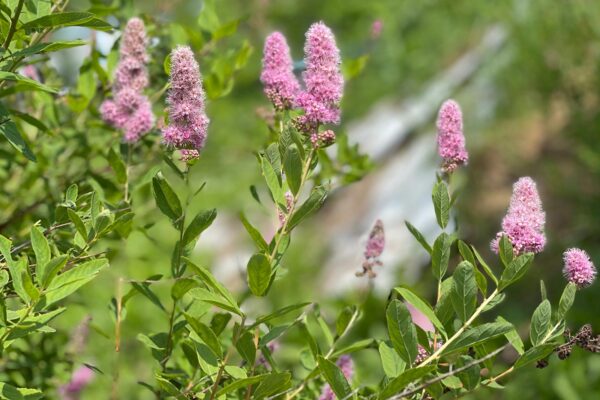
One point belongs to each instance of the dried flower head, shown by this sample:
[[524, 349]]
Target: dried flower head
[[373, 250], [451, 140], [188, 122], [323, 79], [579, 268], [346, 365], [524, 222], [277, 76]]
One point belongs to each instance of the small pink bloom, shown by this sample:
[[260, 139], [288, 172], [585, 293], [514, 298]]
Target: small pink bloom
[[79, 380], [280, 83], [376, 29], [525, 219], [579, 268], [451, 140]]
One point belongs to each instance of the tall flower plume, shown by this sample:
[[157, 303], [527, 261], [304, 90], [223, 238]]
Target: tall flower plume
[[579, 268], [277, 76], [524, 222], [451, 140], [130, 110], [188, 122], [345, 364], [323, 79]]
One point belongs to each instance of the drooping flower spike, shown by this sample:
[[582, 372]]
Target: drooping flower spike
[[280, 84], [579, 268], [323, 80], [525, 219], [130, 110], [451, 139], [188, 122]]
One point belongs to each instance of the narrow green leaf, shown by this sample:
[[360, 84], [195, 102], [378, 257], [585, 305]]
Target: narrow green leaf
[[51, 269], [47, 47], [40, 246], [278, 313], [292, 165], [274, 383], [466, 253], [254, 234], [198, 225], [392, 364], [344, 318], [423, 306], [540, 322], [566, 300], [311, 205], [419, 236], [273, 181], [471, 376], [479, 334], [259, 274], [205, 333], [247, 347], [515, 270], [441, 204], [32, 291], [25, 83], [166, 199], [440, 255], [464, 291], [534, 354], [215, 299], [56, 20], [485, 266], [241, 383], [403, 380], [513, 337], [505, 250], [209, 280], [71, 280], [9, 130], [117, 165], [402, 331], [79, 225], [335, 377], [182, 286]]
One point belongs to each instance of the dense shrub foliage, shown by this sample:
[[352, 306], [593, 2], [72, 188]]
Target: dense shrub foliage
[[87, 166]]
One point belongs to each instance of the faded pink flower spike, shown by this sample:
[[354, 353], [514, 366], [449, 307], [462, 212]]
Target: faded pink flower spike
[[277, 76], [130, 110], [525, 219], [323, 79], [79, 380], [579, 268], [373, 250], [345, 364], [451, 140], [188, 122]]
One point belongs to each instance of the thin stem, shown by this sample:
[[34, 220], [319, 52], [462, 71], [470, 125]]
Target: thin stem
[[13, 24], [234, 341], [127, 167], [478, 311]]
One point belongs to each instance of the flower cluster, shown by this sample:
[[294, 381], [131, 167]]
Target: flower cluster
[[130, 110], [578, 268], [373, 250], [323, 81], [346, 365], [451, 140], [524, 222], [188, 122]]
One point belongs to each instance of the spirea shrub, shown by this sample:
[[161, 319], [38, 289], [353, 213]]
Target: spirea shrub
[[130, 132]]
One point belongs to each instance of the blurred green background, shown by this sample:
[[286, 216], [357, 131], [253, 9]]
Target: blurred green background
[[542, 119]]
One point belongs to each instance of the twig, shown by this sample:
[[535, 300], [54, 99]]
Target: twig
[[13, 24]]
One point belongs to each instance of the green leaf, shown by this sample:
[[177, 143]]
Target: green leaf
[[479, 334], [40, 246], [166, 199], [485, 266], [118, 166], [292, 165], [534, 354], [25, 83], [56, 20], [51, 269], [10, 392], [71, 280], [182, 286], [515, 270], [276, 382], [566, 300], [144, 289], [47, 47], [440, 255], [205, 333], [32, 291], [198, 225], [403, 380], [392, 364], [505, 250], [209, 280], [9, 130], [254, 234], [335, 377], [259, 274], [215, 299], [540, 322], [423, 306], [464, 291], [247, 347], [79, 225], [543, 292], [273, 181], [402, 331], [311, 205], [277, 314], [471, 376], [513, 337], [419, 236], [466, 253], [441, 203], [344, 319], [240, 383]]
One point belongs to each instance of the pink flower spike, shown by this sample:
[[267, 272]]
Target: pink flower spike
[[451, 140], [188, 122], [323, 79], [79, 380], [373, 249], [525, 219], [277, 76], [579, 268]]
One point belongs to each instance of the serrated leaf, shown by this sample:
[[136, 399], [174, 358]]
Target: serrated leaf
[[419, 236], [464, 291], [423, 306], [199, 224], [392, 364], [292, 165], [441, 204], [440, 255], [515, 270], [540, 322], [566, 300], [259, 274], [335, 377], [402, 331]]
